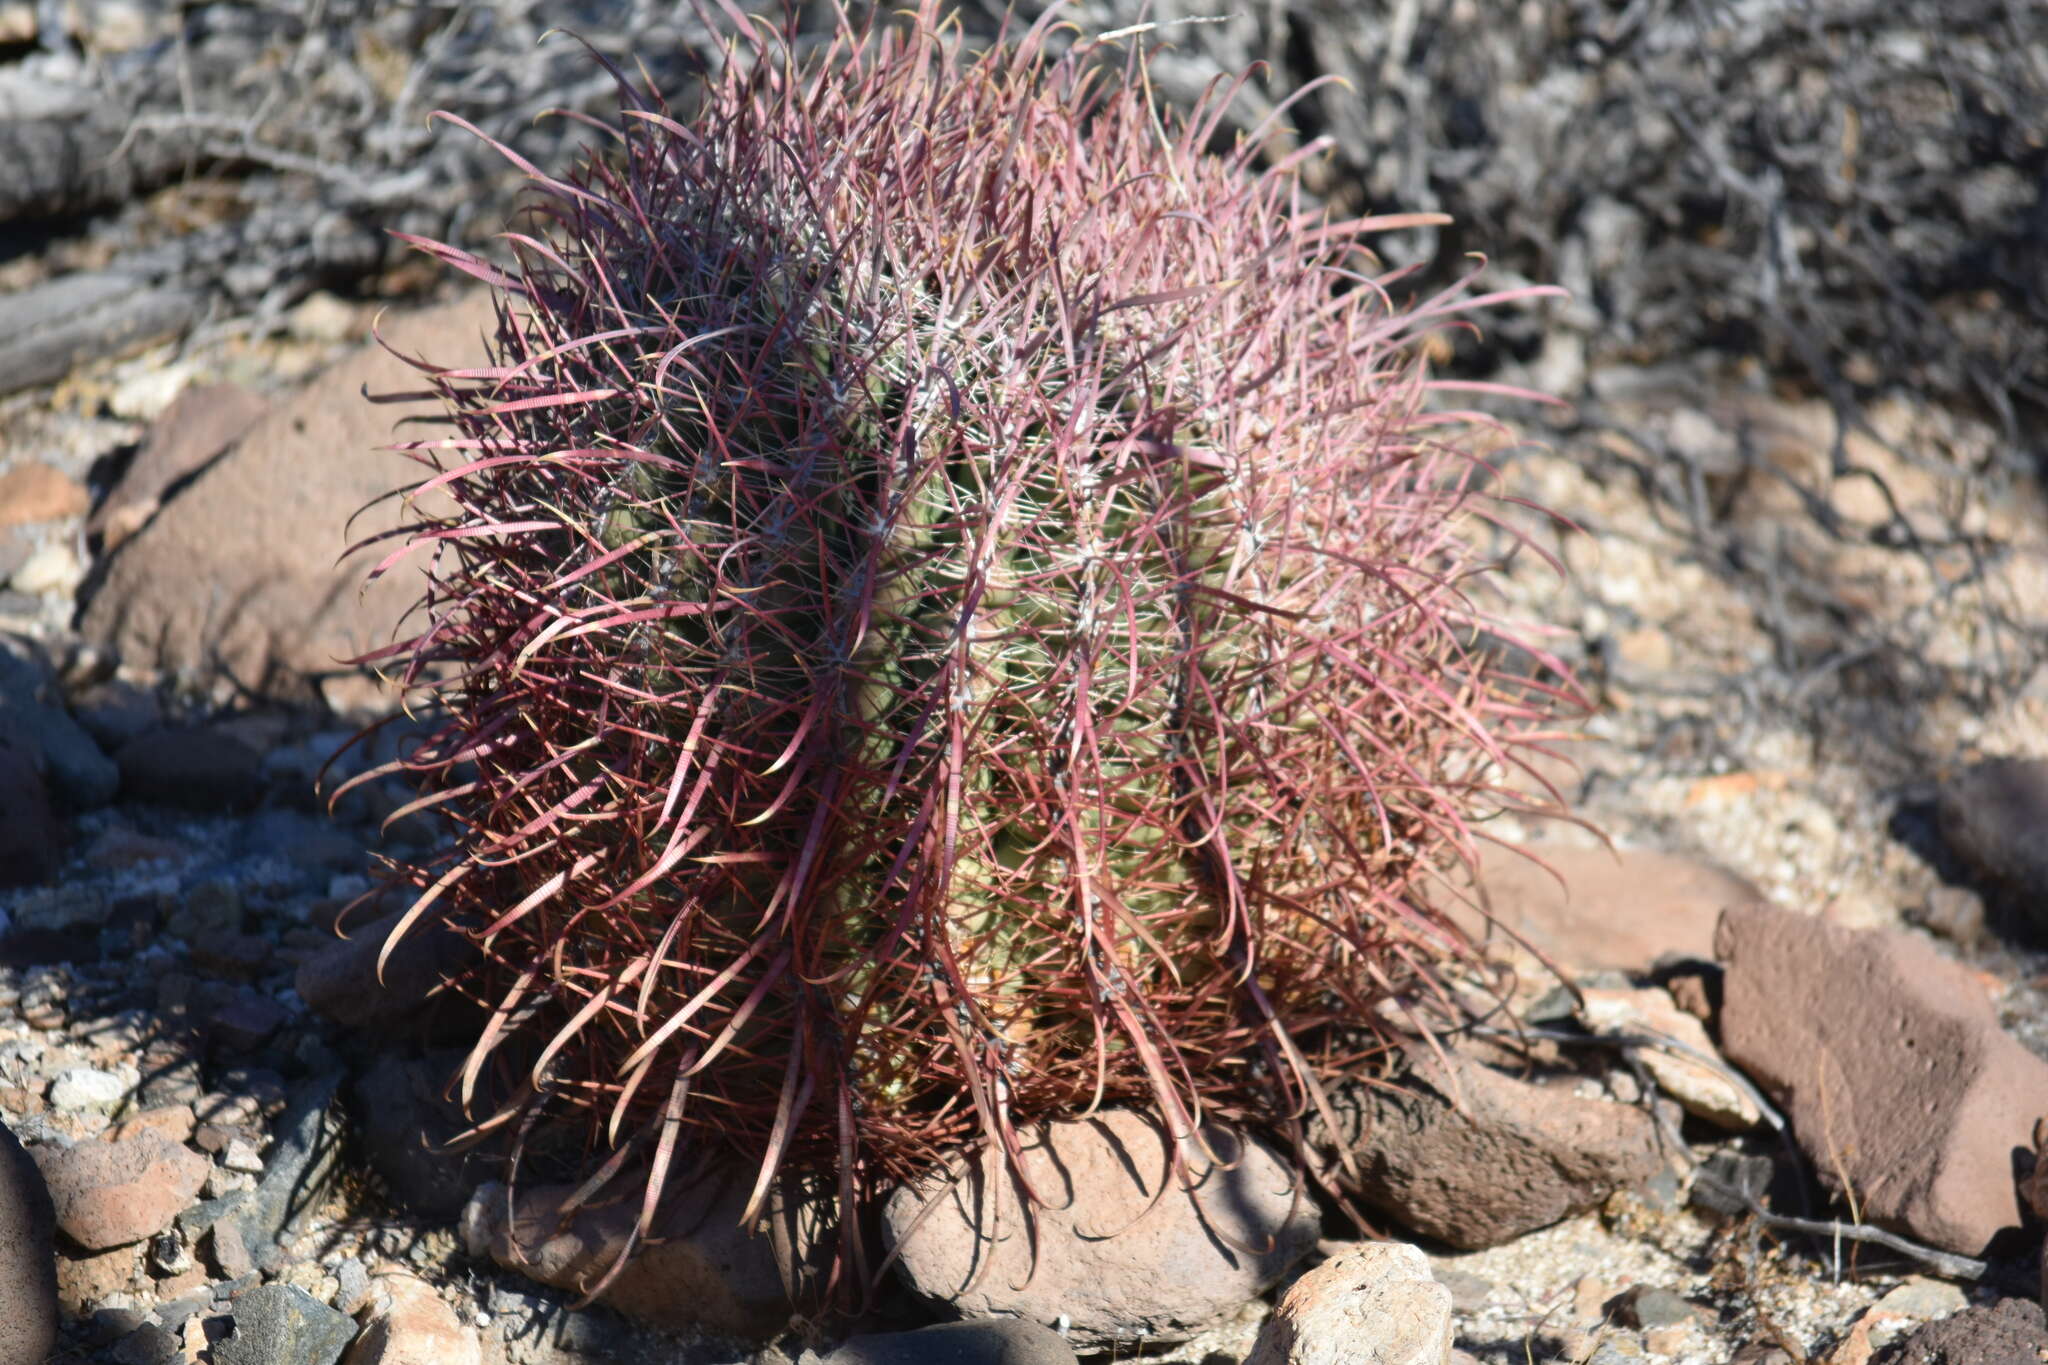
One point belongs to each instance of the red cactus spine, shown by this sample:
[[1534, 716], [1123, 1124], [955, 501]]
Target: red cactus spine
[[953, 613]]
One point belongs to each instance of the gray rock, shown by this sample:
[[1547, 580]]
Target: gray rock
[[28, 829], [62, 909], [211, 909], [1469, 1292], [33, 719], [352, 1279], [1646, 1306], [700, 1268], [403, 1118], [1122, 1252], [308, 842], [1994, 817], [1000, 1341], [149, 1344], [196, 768], [28, 1258], [281, 1324], [83, 1087], [299, 1171], [115, 712]]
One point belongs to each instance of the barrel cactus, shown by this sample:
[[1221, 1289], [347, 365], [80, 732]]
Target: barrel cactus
[[950, 603]]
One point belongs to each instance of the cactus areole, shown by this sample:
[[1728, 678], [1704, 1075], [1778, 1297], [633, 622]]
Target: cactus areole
[[949, 607]]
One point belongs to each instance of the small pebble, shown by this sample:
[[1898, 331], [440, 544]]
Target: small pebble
[[220, 1181], [51, 569], [242, 1156]]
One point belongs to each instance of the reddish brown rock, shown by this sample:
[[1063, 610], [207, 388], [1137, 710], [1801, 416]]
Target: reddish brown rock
[[2010, 1332], [108, 1194], [1121, 1252], [406, 1323], [698, 1269], [238, 573], [200, 423], [85, 1279], [1476, 1158], [1892, 1066], [172, 1121], [32, 491], [1601, 909]]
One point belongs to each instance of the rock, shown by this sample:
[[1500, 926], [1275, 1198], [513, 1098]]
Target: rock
[[28, 830], [82, 1087], [33, 721], [1122, 1252], [1921, 1299], [998, 1341], [115, 712], [1994, 817], [203, 421], [1648, 1306], [263, 527], [1614, 910], [246, 1022], [196, 768], [351, 1285], [313, 844], [149, 1344], [305, 1151], [277, 1323], [32, 491], [1957, 914], [1700, 1089], [698, 1269], [1374, 1305], [52, 568], [320, 316], [1469, 1292], [62, 909], [2010, 1332], [85, 1280], [231, 956], [211, 909], [28, 1258], [403, 1117], [228, 1252], [174, 1122], [406, 1323], [108, 1194], [1891, 1065], [341, 983], [1476, 1158], [242, 1156]]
